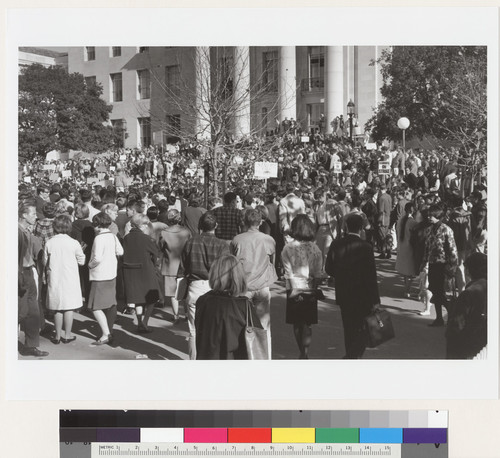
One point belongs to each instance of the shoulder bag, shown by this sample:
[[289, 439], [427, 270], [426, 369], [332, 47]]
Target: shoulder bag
[[255, 338]]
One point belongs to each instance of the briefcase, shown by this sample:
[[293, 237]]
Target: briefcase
[[379, 328]]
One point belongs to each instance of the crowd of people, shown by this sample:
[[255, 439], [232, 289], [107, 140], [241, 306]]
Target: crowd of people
[[129, 230]]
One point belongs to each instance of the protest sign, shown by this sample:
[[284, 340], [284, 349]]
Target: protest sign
[[371, 146], [123, 157], [265, 170], [66, 173], [27, 179], [384, 168], [337, 167], [92, 180], [112, 168], [54, 177], [304, 139]]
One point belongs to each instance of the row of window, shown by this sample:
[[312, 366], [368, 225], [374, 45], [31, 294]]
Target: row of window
[[172, 83], [114, 51], [269, 80]]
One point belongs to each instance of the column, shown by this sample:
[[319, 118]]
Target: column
[[334, 84], [287, 84], [202, 81], [241, 85]]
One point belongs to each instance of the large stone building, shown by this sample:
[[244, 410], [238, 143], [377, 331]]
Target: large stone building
[[31, 55], [158, 92]]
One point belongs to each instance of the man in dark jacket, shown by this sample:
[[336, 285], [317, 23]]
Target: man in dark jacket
[[351, 262]]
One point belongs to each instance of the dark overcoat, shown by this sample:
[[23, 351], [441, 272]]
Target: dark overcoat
[[351, 262], [141, 276]]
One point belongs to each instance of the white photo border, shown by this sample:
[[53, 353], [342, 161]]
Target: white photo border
[[264, 380]]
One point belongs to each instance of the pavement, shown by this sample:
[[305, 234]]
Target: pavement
[[414, 338]]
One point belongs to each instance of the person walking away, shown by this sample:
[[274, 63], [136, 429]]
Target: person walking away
[[172, 241], [352, 263], [228, 218], [256, 250], [302, 261], [141, 277], [198, 255], [220, 318]]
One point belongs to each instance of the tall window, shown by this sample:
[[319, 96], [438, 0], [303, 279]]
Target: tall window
[[90, 80], [144, 88], [270, 71], [116, 51], [173, 124], [317, 66], [143, 49], [89, 53], [145, 131], [116, 87], [172, 79]]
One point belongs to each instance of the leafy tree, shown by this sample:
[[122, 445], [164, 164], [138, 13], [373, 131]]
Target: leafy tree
[[58, 110], [442, 90]]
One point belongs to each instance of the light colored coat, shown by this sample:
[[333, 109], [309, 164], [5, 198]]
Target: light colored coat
[[62, 256]]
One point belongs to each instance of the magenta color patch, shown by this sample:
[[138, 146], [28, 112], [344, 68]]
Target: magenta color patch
[[205, 435]]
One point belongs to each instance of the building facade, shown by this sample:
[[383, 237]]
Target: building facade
[[31, 55], [160, 92]]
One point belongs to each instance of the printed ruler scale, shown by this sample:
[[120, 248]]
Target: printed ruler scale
[[259, 434], [262, 451]]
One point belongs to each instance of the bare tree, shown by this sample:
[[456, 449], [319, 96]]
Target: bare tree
[[211, 96]]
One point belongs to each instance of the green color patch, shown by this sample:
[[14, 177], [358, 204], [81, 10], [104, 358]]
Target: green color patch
[[337, 435]]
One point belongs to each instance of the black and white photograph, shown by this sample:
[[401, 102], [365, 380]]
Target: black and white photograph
[[173, 198], [284, 200]]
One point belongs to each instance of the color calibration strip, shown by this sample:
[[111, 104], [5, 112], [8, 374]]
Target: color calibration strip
[[258, 435]]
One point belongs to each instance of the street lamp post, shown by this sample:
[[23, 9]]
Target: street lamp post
[[403, 124], [350, 112]]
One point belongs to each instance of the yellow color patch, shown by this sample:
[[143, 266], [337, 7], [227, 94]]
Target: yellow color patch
[[294, 435]]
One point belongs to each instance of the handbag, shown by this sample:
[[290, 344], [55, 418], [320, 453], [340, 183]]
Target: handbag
[[379, 328], [255, 339]]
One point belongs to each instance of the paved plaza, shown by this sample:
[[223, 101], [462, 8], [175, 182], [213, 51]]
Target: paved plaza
[[414, 339]]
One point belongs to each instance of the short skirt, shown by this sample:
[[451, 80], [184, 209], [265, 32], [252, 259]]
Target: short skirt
[[102, 294], [301, 307], [437, 283]]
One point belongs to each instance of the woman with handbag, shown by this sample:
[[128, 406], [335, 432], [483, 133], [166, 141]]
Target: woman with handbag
[[103, 266], [302, 261], [222, 314]]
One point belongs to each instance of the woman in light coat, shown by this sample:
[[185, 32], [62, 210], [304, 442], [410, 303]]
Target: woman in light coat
[[61, 257], [103, 267]]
